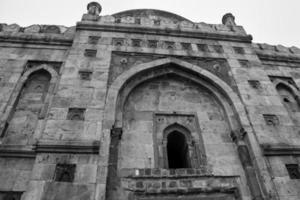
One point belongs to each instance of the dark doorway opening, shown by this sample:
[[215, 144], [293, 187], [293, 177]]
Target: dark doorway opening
[[177, 151]]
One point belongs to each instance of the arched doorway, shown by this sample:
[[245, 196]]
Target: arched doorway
[[177, 150]]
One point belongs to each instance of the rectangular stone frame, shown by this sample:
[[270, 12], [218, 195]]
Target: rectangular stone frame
[[199, 156]]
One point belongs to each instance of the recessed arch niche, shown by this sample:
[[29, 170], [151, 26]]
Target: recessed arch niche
[[169, 88], [27, 107], [288, 97]]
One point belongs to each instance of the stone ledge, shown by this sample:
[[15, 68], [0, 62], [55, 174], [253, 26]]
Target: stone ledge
[[181, 191], [78, 147], [165, 173], [280, 150], [188, 185], [19, 151], [30, 151]]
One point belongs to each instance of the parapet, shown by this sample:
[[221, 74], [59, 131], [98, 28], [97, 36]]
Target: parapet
[[42, 34], [160, 20], [277, 52]]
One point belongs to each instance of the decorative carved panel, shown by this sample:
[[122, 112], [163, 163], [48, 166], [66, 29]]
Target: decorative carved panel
[[136, 42], [239, 50], [137, 20], [169, 45], [218, 48], [76, 114], [118, 41], [186, 46], [254, 84], [293, 170], [90, 53], [271, 120], [65, 172], [152, 43], [203, 47], [51, 29], [93, 39], [85, 74], [244, 63], [156, 22]]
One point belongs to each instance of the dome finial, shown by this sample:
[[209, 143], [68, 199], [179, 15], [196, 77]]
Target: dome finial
[[94, 8], [228, 19]]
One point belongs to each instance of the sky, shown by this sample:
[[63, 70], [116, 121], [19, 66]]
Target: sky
[[268, 21]]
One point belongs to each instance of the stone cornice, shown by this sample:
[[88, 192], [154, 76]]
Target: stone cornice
[[280, 150], [279, 58], [35, 40], [163, 31]]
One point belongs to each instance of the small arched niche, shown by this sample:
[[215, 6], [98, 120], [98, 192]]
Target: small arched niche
[[288, 98], [37, 82]]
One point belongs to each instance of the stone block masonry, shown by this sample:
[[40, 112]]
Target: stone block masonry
[[145, 104]]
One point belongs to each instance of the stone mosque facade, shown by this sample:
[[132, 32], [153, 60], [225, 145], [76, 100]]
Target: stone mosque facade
[[147, 105]]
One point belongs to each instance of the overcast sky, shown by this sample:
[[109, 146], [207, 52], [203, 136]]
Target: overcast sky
[[269, 21]]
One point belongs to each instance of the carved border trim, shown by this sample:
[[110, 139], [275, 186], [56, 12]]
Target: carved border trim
[[141, 189], [280, 150], [167, 32], [222, 190]]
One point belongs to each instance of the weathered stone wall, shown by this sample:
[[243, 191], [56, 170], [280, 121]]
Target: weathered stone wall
[[43, 186], [279, 96], [15, 173], [116, 86]]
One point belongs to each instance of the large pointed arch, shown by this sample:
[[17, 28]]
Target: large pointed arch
[[121, 83], [121, 87]]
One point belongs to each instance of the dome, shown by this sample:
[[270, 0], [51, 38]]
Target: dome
[[149, 13]]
